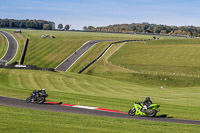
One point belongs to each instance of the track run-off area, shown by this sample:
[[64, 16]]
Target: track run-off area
[[85, 110]]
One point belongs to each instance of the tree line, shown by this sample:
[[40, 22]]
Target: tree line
[[147, 28], [33, 24]]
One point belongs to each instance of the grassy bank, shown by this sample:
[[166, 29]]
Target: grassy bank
[[26, 120], [168, 57], [100, 92]]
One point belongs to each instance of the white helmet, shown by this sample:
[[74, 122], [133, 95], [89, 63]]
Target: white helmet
[[43, 89]]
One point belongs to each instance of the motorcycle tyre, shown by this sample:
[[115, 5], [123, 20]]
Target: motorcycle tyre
[[28, 100], [41, 100], [152, 114], [131, 112]]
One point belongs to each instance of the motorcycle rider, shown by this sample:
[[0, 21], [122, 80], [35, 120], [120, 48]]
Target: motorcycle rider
[[42, 90], [147, 102], [35, 94]]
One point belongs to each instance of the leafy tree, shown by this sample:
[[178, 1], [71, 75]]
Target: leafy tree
[[85, 28], [60, 26], [67, 27], [35, 24]]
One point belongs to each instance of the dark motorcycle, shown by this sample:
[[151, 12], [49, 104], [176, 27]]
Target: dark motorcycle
[[40, 97]]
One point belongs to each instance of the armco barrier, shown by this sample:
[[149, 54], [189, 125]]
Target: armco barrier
[[83, 69], [24, 52]]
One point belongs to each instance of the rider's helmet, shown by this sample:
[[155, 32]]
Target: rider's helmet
[[147, 99], [43, 90]]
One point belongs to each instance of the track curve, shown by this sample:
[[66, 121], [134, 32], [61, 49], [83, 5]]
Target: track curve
[[6, 101], [12, 47]]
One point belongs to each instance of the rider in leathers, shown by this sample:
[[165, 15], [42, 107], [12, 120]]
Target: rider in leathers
[[147, 102], [35, 94]]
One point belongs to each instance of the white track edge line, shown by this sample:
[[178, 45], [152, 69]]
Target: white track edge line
[[85, 107]]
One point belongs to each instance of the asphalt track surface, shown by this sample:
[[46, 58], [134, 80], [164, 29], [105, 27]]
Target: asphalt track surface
[[6, 101], [67, 63], [12, 47]]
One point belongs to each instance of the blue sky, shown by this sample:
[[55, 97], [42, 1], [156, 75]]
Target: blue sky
[[81, 13]]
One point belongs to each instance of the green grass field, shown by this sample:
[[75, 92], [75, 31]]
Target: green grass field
[[99, 92], [125, 74], [144, 63], [3, 45], [25, 120], [168, 56]]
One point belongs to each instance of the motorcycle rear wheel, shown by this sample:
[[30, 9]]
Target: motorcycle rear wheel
[[151, 112], [131, 112]]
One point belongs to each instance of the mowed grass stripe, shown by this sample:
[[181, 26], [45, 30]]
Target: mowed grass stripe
[[38, 50], [39, 56], [45, 53]]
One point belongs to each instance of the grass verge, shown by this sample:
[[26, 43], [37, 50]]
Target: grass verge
[[26, 120], [99, 92]]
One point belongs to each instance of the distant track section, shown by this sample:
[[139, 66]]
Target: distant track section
[[12, 47], [68, 62], [67, 108], [92, 62]]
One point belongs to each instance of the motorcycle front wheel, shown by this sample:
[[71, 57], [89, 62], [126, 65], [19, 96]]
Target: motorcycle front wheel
[[28, 100], [131, 112], [41, 100]]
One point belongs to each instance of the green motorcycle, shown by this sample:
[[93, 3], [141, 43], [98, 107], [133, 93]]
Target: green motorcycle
[[139, 109]]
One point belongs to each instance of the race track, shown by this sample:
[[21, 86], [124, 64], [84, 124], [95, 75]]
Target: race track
[[12, 47], [68, 62], [6, 101]]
